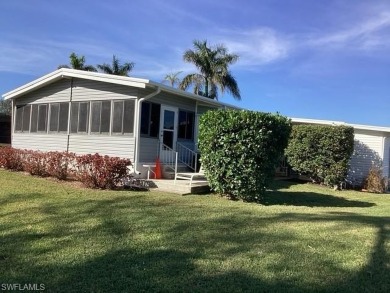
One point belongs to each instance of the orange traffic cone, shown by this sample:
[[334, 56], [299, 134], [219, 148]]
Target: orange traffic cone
[[157, 170]]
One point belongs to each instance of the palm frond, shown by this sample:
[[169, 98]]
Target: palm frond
[[106, 68], [90, 68]]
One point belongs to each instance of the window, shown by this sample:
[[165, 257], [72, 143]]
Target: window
[[186, 125], [38, 118], [100, 117], [123, 117], [150, 119], [42, 117], [79, 117], [59, 117], [31, 118], [34, 118], [22, 119]]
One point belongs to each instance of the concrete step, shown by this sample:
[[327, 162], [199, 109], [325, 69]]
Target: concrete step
[[181, 187]]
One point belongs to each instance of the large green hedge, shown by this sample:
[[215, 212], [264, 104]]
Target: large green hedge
[[321, 152], [240, 150]]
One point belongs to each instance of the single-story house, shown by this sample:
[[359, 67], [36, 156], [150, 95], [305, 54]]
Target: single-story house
[[87, 112], [372, 148]]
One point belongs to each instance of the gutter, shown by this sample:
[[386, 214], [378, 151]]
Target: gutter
[[137, 127]]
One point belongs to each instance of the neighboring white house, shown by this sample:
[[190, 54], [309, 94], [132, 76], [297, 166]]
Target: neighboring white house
[[86, 112], [372, 148]]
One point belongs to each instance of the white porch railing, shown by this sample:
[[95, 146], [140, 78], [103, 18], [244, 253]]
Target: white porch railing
[[169, 157], [187, 156]]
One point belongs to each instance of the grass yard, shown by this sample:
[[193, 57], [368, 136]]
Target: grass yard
[[304, 238]]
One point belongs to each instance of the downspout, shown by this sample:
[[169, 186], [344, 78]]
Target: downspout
[[137, 126], [69, 113]]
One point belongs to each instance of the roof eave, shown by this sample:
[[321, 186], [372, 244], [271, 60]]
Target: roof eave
[[72, 73], [329, 122], [198, 98]]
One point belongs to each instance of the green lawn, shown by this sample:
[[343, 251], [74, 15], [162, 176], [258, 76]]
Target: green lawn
[[303, 238]]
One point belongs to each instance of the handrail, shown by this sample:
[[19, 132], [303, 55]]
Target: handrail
[[187, 156], [169, 157]]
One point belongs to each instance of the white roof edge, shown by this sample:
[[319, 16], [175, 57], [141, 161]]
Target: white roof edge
[[192, 96], [329, 122], [66, 72]]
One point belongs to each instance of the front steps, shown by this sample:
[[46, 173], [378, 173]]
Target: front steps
[[181, 187]]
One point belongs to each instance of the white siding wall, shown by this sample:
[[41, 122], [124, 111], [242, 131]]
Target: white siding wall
[[174, 101], [56, 92], [148, 149], [386, 158], [116, 146], [368, 151], [41, 142], [87, 90]]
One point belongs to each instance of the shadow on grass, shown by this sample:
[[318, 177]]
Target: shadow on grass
[[310, 199], [277, 196], [175, 264]]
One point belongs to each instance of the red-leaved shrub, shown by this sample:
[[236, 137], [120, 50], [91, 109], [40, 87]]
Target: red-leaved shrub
[[35, 163], [98, 171], [11, 159], [60, 164]]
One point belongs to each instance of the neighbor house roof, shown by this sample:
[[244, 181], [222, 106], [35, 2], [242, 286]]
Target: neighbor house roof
[[328, 122], [102, 77]]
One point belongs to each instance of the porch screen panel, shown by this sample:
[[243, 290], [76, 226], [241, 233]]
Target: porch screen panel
[[42, 118], [26, 118], [34, 118], [54, 113], [105, 117], [83, 117], [95, 112], [63, 117], [74, 117], [19, 118], [128, 117], [117, 119]]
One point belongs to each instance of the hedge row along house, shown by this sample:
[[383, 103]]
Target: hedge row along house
[[86, 112]]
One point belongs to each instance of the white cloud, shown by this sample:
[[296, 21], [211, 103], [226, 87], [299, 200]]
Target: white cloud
[[365, 35], [257, 47]]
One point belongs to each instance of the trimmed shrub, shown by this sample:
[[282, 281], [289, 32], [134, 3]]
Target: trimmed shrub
[[35, 163], [321, 152], [96, 171], [240, 150], [60, 164], [375, 182], [11, 159]]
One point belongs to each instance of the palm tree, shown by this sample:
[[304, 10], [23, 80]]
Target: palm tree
[[213, 64], [116, 68], [77, 62], [173, 78]]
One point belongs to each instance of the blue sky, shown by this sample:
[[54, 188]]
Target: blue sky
[[308, 59]]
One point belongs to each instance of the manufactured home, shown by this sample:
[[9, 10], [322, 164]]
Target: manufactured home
[[87, 112]]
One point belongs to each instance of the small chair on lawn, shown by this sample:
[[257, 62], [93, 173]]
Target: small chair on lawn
[[190, 176]]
